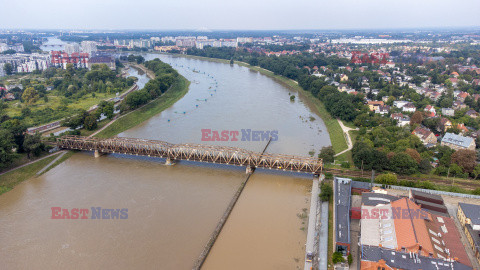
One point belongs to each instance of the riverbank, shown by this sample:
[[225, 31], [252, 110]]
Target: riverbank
[[335, 132], [130, 120], [10, 179]]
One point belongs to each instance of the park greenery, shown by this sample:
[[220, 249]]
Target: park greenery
[[58, 93], [165, 76], [53, 95]]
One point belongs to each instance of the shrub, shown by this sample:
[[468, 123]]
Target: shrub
[[386, 179], [327, 154], [326, 192], [337, 257]]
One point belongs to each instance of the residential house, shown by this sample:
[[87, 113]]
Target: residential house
[[400, 103], [425, 135], [458, 105], [445, 124], [430, 111], [383, 109], [463, 129], [8, 96], [462, 96], [402, 120], [472, 113], [409, 107], [458, 142], [448, 112], [373, 105], [343, 87]]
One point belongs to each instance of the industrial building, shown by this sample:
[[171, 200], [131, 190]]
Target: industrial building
[[398, 233]]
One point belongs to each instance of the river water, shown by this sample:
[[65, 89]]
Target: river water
[[172, 210]]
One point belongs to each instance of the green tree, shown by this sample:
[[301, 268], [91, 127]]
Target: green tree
[[327, 154], [33, 145], [337, 257], [386, 179], [476, 171], [90, 122], [8, 68], [6, 145], [403, 164], [30, 95], [425, 166]]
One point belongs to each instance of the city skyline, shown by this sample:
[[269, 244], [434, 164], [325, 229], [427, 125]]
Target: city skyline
[[249, 15]]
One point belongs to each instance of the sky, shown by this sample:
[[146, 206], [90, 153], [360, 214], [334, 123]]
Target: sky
[[237, 15]]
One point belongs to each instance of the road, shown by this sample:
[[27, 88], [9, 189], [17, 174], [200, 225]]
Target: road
[[312, 221]]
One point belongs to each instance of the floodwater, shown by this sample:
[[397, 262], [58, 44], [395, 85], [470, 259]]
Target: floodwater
[[267, 228], [172, 210]]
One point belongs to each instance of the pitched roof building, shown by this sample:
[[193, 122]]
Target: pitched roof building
[[396, 233], [425, 135], [458, 142]]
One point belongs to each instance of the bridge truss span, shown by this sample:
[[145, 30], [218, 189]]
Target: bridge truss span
[[193, 152]]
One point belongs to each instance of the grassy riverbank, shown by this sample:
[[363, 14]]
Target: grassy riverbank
[[334, 130], [13, 178], [130, 120]]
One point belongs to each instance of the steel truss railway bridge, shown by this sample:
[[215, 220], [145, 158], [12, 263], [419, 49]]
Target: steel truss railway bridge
[[192, 152]]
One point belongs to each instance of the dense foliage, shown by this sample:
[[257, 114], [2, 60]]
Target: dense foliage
[[165, 76]]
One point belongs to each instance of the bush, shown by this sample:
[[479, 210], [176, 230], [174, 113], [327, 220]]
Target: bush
[[337, 257], [386, 179], [326, 192], [327, 154], [346, 165], [328, 176], [425, 185], [349, 259]]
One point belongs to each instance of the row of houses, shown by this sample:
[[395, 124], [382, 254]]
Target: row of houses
[[452, 140]]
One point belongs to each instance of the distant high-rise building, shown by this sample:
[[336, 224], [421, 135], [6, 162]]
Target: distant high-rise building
[[72, 48], [89, 46]]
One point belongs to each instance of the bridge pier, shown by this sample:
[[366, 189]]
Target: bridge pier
[[250, 170], [169, 161], [98, 154]]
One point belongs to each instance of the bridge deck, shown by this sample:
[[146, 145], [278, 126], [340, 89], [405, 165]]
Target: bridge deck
[[194, 152]]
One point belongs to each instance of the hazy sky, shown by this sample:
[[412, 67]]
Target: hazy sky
[[239, 14]]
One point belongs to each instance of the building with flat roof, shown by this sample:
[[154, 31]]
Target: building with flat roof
[[469, 217], [342, 199]]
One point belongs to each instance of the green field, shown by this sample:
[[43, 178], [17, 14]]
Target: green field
[[130, 120]]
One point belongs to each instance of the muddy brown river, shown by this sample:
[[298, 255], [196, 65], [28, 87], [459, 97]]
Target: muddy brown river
[[172, 210]]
